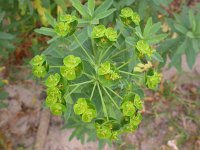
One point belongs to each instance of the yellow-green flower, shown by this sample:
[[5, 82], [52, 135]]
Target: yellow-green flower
[[71, 61], [39, 71], [98, 31], [52, 80], [81, 106], [111, 34]]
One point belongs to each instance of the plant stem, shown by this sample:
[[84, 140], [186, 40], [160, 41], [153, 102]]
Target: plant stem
[[85, 51], [111, 98], [121, 51], [93, 90], [102, 56], [128, 73], [123, 65], [88, 75], [72, 91], [82, 83], [103, 103], [55, 66], [115, 93]]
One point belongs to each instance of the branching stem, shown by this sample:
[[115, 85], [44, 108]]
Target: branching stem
[[115, 93], [103, 103], [111, 98]]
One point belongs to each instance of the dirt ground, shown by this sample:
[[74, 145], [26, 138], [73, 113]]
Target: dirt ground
[[170, 121]]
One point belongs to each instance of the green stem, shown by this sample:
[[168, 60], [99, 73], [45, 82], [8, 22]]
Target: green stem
[[74, 89], [93, 90], [103, 103], [85, 51], [102, 56], [88, 75], [81, 83], [111, 98], [115, 93], [121, 51], [55, 66], [123, 64], [128, 73]]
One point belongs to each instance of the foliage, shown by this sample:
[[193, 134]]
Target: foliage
[[187, 28], [3, 94], [6, 39], [91, 70]]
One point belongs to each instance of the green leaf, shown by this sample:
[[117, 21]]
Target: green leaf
[[50, 19], [81, 9], [192, 20], [195, 44], [62, 4], [103, 7], [180, 28], [6, 36], [155, 27], [176, 58], [191, 57], [157, 38], [6, 44], [157, 57], [1, 16], [104, 14], [82, 37], [46, 31], [91, 6], [138, 32], [147, 27]]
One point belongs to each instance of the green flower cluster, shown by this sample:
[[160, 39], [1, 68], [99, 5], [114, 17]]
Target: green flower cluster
[[84, 108], [107, 129], [129, 17], [54, 94], [66, 25], [39, 66], [130, 124], [104, 36], [153, 78], [130, 107], [108, 71], [72, 68], [144, 48]]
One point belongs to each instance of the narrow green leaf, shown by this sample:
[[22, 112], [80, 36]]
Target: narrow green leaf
[[191, 57], [103, 7], [180, 28], [157, 38], [6, 36], [46, 31], [82, 37], [176, 58], [62, 4], [196, 45], [50, 19], [104, 14], [91, 6], [157, 57], [80, 8], [155, 27], [1, 16], [138, 32], [147, 27], [192, 20], [6, 44]]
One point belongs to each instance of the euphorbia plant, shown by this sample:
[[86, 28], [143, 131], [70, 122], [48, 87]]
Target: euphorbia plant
[[94, 73]]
